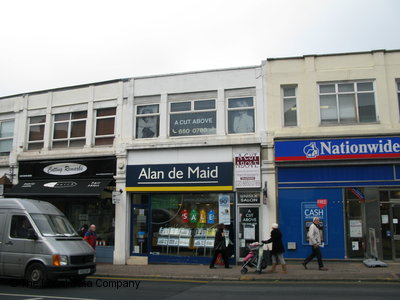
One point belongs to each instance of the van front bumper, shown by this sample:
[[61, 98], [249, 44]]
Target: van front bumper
[[54, 273]]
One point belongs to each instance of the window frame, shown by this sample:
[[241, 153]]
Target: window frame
[[356, 94], [29, 142], [70, 121], [253, 107], [105, 136], [398, 94], [7, 138], [192, 110], [283, 97], [153, 114]]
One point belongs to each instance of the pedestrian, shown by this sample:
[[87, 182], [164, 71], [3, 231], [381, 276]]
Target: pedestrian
[[91, 236], [220, 247], [277, 249], [83, 230], [314, 238]]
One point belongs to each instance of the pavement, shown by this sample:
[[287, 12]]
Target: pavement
[[339, 271]]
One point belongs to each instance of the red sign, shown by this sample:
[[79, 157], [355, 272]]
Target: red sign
[[322, 203]]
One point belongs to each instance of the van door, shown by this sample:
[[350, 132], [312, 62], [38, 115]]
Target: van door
[[3, 216], [17, 248]]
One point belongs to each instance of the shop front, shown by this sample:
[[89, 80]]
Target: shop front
[[80, 188], [351, 184]]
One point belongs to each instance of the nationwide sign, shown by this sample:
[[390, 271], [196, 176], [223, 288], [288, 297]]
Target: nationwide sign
[[180, 177], [337, 149]]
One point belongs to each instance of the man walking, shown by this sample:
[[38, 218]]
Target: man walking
[[314, 237]]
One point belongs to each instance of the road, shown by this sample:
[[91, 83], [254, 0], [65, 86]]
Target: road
[[120, 288]]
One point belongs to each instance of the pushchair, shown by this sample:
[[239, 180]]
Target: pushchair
[[256, 258]]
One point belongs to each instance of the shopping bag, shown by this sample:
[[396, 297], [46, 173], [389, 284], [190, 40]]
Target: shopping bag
[[219, 260]]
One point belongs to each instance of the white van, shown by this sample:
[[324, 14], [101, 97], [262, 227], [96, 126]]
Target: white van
[[38, 243]]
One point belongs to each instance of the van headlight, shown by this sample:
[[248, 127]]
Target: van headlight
[[60, 260]]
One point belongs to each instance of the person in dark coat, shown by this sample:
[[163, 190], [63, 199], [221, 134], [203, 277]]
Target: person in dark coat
[[220, 247], [277, 248]]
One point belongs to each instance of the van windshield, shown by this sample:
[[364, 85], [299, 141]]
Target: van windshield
[[53, 225]]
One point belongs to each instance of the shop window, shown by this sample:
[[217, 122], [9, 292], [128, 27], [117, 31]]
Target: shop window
[[69, 130], [105, 126], [289, 106], [182, 224], [241, 115], [347, 103], [6, 137], [354, 226], [191, 118], [147, 121], [36, 132]]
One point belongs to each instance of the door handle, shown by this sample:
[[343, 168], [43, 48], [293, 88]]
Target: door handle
[[9, 243]]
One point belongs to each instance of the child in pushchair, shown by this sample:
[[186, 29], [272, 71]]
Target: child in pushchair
[[256, 258]]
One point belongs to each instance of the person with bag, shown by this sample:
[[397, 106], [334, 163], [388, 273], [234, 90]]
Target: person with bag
[[220, 247], [277, 249], [314, 238]]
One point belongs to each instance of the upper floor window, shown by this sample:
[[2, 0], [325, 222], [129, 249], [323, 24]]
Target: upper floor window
[[398, 93], [289, 106], [347, 102], [147, 121], [241, 115], [105, 126], [36, 132], [196, 117], [6, 136], [69, 130]]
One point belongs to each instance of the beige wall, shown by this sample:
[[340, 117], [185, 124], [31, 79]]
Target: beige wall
[[306, 72]]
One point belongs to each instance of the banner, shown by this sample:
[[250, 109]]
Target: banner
[[247, 170]]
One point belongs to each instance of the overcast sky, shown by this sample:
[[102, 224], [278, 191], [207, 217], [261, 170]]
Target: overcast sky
[[47, 44]]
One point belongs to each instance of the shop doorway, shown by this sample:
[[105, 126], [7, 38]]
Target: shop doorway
[[390, 215]]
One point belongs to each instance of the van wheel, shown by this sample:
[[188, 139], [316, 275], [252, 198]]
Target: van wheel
[[36, 276]]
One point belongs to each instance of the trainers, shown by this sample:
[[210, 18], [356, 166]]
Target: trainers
[[323, 269], [304, 265]]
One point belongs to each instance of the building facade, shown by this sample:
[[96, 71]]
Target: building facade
[[156, 162], [334, 121]]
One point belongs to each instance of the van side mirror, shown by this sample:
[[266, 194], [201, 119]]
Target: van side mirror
[[32, 234]]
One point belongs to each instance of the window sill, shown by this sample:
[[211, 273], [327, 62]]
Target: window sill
[[349, 124]]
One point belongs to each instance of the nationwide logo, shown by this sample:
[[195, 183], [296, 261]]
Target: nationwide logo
[[347, 147]]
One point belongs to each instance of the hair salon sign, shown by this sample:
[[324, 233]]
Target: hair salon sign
[[247, 170]]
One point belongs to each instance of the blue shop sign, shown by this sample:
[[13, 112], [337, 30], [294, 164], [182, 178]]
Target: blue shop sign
[[337, 149], [180, 177]]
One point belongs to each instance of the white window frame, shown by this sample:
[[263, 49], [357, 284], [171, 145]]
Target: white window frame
[[68, 139], [8, 137], [95, 136], [29, 130], [253, 107], [192, 110], [283, 97], [154, 114], [355, 92]]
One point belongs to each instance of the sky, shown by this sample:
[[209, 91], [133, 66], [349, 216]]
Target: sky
[[46, 44]]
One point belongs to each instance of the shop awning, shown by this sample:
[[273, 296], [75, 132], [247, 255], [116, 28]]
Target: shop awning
[[64, 188]]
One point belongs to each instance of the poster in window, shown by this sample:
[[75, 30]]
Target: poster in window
[[199, 123], [224, 207], [355, 228]]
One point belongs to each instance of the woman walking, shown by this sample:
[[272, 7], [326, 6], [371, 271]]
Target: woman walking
[[277, 249], [220, 247]]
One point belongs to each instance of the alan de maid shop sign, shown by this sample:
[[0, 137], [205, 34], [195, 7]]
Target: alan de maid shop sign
[[180, 177]]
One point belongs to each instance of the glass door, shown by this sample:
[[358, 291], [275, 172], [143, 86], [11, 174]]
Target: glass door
[[140, 234], [390, 215]]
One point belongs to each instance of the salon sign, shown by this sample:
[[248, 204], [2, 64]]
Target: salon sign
[[247, 169], [337, 149]]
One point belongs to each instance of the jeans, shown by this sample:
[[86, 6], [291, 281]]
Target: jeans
[[316, 252], [278, 258]]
